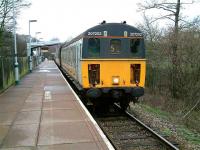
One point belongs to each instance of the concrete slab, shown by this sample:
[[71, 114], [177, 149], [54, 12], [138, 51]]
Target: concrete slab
[[75, 146], [29, 117], [53, 82], [50, 105], [64, 132], [18, 89], [11, 99], [17, 93], [67, 115], [38, 93], [3, 132], [32, 105], [68, 96], [53, 74], [25, 84], [34, 98], [21, 135], [37, 89], [57, 89], [11, 107], [19, 148], [7, 118]]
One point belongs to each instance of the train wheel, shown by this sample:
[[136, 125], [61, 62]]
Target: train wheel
[[135, 100], [124, 103]]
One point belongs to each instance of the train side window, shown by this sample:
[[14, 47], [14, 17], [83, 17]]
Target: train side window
[[115, 46], [134, 45], [93, 47]]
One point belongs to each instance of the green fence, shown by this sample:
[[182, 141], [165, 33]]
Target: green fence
[[7, 76], [158, 79]]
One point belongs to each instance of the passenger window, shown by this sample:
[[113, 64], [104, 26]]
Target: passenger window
[[115, 45], [134, 45], [93, 47]]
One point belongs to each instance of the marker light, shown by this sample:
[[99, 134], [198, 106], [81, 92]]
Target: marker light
[[105, 33], [125, 33], [115, 80]]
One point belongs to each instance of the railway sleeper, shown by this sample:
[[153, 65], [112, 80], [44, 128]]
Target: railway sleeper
[[152, 146]]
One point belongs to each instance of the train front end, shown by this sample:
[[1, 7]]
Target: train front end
[[113, 63]]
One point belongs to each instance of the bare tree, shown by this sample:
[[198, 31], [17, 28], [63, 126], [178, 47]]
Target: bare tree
[[21, 45], [172, 12], [6, 7], [152, 31], [6, 16]]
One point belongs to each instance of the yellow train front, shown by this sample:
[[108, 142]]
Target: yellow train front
[[106, 62]]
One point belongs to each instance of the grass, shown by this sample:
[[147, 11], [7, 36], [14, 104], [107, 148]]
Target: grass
[[189, 135], [156, 111], [167, 132]]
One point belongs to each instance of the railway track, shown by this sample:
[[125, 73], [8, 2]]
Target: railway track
[[128, 133]]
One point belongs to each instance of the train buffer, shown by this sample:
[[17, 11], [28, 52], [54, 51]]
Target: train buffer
[[43, 112]]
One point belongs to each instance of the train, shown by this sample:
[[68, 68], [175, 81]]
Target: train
[[106, 63]]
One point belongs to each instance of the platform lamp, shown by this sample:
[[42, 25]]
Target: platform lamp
[[29, 54], [15, 45]]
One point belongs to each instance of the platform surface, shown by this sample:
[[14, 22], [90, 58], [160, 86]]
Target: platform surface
[[42, 113]]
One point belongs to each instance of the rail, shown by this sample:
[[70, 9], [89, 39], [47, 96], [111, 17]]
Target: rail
[[125, 131]]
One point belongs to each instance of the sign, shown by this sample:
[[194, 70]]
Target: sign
[[94, 33]]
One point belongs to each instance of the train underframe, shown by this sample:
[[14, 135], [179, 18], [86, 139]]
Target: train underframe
[[107, 96]]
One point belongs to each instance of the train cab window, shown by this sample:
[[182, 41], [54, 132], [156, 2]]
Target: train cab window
[[115, 46], [134, 45], [93, 47]]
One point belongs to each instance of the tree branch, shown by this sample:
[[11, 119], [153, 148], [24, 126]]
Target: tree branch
[[164, 17], [166, 9]]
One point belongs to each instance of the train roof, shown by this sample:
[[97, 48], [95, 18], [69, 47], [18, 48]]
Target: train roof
[[112, 29]]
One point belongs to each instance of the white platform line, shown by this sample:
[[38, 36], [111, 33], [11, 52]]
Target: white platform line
[[109, 145]]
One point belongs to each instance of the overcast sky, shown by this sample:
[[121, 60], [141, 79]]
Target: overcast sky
[[68, 18]]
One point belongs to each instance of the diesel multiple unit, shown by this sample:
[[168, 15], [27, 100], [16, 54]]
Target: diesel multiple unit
[[106, 62]]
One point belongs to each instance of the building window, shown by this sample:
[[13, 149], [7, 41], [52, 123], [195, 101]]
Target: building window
[[134, 45], [93, 47], [115, 46]]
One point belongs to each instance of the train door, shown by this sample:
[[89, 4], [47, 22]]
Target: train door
[[76, 65], [79, 56]]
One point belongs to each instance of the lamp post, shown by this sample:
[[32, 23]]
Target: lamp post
[[29, 54], [15, 46]]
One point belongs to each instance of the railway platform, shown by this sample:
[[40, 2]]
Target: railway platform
[[44, 113]]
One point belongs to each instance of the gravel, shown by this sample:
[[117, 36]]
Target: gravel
[[161, 125]]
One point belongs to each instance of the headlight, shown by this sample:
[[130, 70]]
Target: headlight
[[115, 80]]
